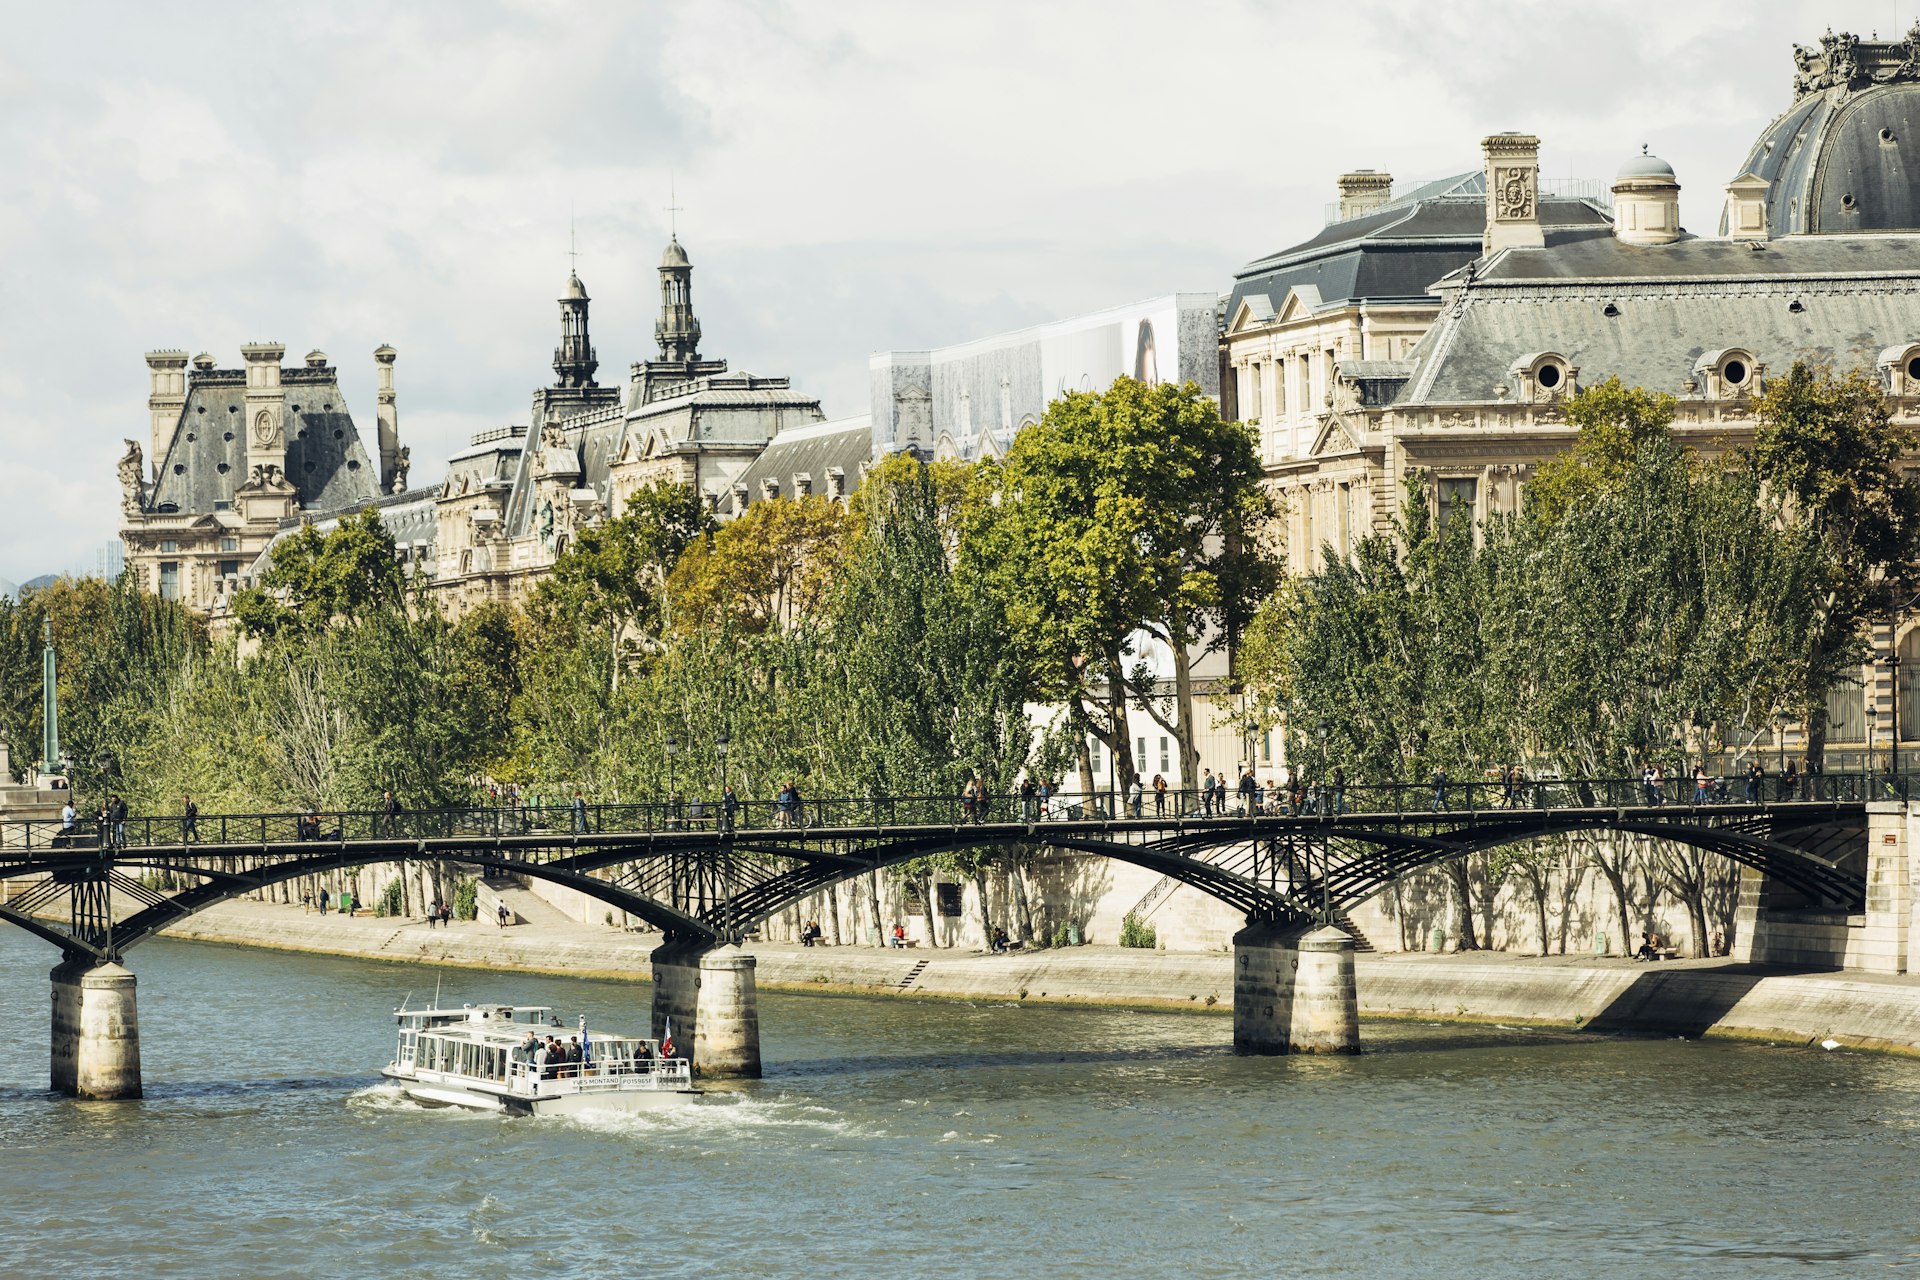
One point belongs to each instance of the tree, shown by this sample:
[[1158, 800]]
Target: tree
[[1121, 516], [1830, 446], [1614, 422], [315, 580], [614, 574], [764, 569]]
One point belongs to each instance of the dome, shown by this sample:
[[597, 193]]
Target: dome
[[1645, 166], [675, 256], [574, 288], [1836, 160]]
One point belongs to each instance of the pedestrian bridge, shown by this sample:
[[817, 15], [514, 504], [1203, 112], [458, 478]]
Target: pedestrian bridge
[[707, 878]]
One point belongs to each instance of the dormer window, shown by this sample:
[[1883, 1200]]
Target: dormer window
[[1900, 369], [1729, 373], [1542, 376]]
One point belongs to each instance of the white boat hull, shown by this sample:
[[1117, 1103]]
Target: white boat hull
[[450, 1092]]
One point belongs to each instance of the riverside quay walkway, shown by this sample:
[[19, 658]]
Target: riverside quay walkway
[[706, 877]]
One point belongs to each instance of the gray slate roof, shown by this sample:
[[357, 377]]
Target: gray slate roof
[[1855, 296], [846, 443], [207, 458], [1396, 252]]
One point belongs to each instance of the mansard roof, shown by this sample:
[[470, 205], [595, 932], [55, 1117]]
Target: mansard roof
[[206, 460], [1396, 252], [813, 451], [1648, 313]]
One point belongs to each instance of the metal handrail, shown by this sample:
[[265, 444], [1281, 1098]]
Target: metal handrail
[[584, 821]]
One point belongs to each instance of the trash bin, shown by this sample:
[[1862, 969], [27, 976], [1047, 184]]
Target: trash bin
[[1073, 935], [1437, 940], [1600, 944]]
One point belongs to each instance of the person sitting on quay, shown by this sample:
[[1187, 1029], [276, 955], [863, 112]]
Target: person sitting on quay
[[1649, 947], [899, 936], [998, 942]]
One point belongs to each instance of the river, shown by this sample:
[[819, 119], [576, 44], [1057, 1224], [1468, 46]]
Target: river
[[900, 1138]]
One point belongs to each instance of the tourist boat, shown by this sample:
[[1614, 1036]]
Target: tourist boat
[[484, 1057]]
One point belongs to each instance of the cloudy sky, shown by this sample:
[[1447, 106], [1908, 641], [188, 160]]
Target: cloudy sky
[[855, 176]]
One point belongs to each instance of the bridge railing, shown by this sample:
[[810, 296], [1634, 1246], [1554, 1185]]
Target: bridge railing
[[1316, 798]]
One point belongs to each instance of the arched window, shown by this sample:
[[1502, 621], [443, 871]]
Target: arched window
[[1847, 712], [1909, 686]]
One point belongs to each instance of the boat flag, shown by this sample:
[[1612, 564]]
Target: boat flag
[[666, 1041]]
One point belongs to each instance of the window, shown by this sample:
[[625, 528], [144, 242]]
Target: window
[[1266, 746], [1346, 518], [1165, 766], [1457, 498], [1847, 712], [170, 580], [1140, 755], [1279, 387], [949, 896], [229, 568], [1253, 390], [168, 546], [1093, 755], [1909, 687], [229, 544]]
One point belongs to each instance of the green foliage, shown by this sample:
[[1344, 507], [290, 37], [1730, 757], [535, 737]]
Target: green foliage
[[466, 898], [1135, 932], [1829, 446], [314, 581], [1615, 422], [392, 899]]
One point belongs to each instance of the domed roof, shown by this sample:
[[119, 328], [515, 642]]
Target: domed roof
[[574, 288], [1645, 166], [675, 256], [1836, 161]]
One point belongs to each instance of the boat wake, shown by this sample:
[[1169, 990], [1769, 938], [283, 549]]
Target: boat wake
[[720, 1116]]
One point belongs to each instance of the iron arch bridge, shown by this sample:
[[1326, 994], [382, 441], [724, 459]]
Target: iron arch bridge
[[702, 875]]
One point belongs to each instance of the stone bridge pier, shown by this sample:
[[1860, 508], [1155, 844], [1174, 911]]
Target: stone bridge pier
[[709, 993], [1293, 990], [96, 1031], [1774, 925]]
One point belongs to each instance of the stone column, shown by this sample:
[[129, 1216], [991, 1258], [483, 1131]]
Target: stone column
[[1264, 960], [96, 1031], [1882, 947], [727, 1024], [676, 986], [1325, 1004]]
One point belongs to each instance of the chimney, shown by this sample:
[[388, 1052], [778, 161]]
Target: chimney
[[265, 407], [1746, 216], [1513, 192], [166, 400], [1363, 191], [386, 415]]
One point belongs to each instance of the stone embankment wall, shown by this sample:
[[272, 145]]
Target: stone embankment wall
[[1687, 998]]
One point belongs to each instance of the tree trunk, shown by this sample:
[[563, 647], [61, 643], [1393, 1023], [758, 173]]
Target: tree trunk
[[873, 905], [986, 920], [833, 912], [1617, 878], [1077, 717], [926, 907], [1462, 904], [1022, 908]]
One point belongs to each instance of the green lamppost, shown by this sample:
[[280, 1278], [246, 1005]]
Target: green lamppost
[[50, 761]]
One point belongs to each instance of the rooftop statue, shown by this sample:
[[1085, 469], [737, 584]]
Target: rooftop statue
[[132, 492]]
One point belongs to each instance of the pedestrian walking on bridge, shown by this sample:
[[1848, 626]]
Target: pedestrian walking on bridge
[[1440, 789]]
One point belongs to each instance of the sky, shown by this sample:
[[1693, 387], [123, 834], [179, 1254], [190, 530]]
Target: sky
[[851, 177]]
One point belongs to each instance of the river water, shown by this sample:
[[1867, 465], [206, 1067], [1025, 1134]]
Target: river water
[[896, 1138]]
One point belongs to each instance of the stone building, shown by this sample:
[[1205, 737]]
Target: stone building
[[237, 454], [1818, 258]]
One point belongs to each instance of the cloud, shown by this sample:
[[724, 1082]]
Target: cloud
[[855, 176]]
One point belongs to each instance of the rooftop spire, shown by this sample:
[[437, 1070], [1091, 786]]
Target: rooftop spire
[[678, 330], [573, 359]]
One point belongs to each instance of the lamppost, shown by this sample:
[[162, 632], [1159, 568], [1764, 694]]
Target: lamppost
[[673, 807]]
